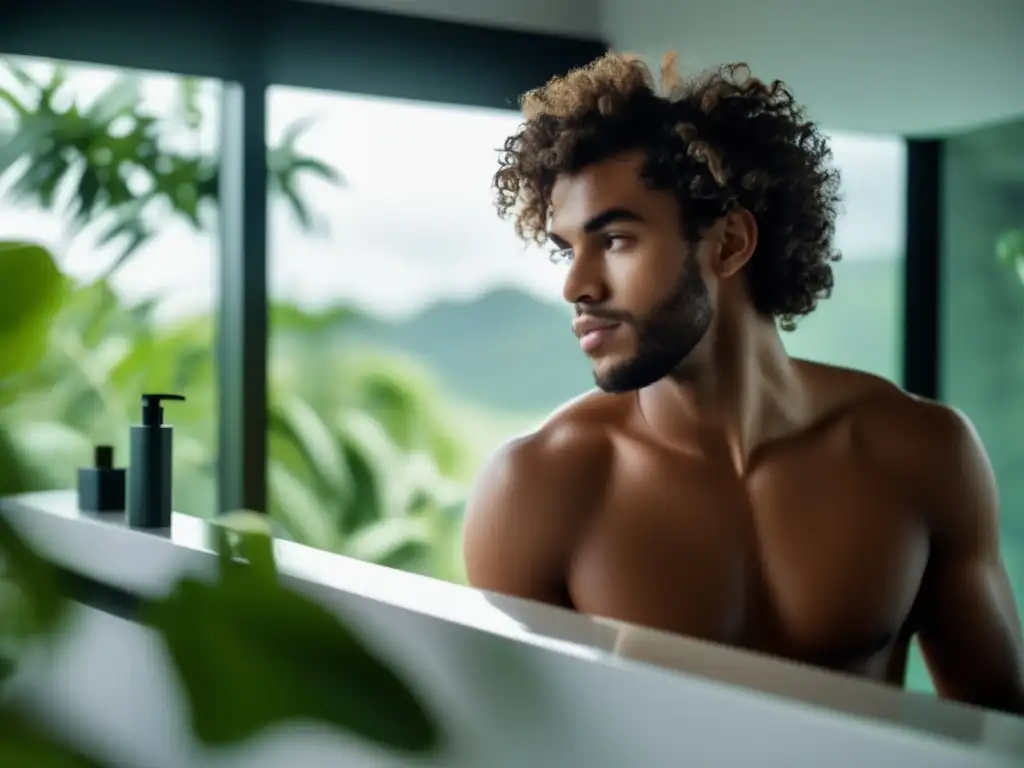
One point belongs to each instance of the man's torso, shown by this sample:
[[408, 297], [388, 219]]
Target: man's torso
[[815, 554]]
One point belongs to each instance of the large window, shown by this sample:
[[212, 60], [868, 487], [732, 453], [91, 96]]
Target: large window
[[115, 172], [861, 324]]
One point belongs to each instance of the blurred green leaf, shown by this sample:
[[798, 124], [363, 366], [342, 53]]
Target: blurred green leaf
[[1010, 247], [253, 654], [298, 422], [30, 293], [24, 743], [397, 542], [246, 535], [15, 475], [296, 506], [115, 157], [44, 606], [7, 665]]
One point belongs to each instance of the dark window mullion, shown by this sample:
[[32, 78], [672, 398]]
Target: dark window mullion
[[923, 268], [242, 316]]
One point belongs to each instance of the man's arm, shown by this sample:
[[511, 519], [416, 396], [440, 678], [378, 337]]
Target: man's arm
[[527, 510], [969, 628]]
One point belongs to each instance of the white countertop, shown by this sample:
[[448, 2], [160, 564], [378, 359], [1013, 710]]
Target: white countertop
[[103, 548]]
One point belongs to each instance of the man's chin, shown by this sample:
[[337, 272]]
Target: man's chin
[[617, 377], [613, 378]]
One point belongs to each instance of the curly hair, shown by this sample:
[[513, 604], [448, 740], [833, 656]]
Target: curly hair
[[716, 141]]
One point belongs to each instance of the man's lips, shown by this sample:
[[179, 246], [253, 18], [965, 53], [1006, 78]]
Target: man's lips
[[592, 331]]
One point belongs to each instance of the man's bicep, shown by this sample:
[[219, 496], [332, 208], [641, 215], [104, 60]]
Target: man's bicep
[[970, 635], [970, 629]]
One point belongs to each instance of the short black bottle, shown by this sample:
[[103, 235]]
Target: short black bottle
[[150, 474], [101, 487]]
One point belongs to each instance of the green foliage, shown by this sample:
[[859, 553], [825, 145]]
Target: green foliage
[[250, 654], [360, 452], [30, 287], [1010, 250], [361, 456], [32, 606], [236, 641], [115, 156], [32, 294], [25, 742]]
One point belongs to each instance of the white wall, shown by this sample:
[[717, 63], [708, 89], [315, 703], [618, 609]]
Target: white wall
[[889, 66], [914, 67]]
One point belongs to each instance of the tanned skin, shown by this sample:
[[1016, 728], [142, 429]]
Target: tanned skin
[[745, 497]]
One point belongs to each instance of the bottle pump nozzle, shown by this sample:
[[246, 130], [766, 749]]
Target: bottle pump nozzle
[[152, 410]]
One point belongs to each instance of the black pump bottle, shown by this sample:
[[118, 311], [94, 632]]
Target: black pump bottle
[[149, 470]]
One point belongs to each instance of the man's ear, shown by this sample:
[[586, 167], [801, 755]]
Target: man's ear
[[735, 236]]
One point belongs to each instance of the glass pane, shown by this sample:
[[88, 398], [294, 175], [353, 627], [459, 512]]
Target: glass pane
[[982, 349], [407, 324], [861, 324], [115, 172]]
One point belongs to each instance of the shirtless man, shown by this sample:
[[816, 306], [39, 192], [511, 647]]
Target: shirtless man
[[713, 486]]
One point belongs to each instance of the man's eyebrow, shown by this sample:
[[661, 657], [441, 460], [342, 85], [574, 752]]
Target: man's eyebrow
[[611, 216], [598, 222]]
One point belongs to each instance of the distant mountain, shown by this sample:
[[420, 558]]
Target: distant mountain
[[512, 352], [506, 350]]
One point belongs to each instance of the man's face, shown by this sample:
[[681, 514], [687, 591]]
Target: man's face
[[642, 304]]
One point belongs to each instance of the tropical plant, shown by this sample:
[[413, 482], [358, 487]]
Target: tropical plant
[[124, 170], [359, 453], [363, 452]]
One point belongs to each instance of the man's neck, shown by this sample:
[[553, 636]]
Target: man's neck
[[741, 392]]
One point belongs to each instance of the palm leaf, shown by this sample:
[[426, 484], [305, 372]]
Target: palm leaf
[[300, 510], [294, 420]]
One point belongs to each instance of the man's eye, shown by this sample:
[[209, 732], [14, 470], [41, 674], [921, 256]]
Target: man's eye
[[615, 242]]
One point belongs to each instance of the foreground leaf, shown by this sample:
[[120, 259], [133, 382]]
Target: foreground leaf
[[1010, 250], [24, 743], [252, 654], [7, 668], [30, 293], [41, 606]]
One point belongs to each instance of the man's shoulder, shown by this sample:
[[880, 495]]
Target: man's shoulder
[[886, 415], [575, 438], [879, 408], [919, 442], [565, 459]]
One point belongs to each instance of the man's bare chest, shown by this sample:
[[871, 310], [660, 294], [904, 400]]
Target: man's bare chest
[[819, 563]]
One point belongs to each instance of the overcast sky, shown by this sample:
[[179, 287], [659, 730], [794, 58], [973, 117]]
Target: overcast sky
[[415, 222]]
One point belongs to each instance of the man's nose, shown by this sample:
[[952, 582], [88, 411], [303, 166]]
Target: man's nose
[[585, 282]]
